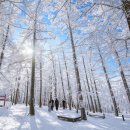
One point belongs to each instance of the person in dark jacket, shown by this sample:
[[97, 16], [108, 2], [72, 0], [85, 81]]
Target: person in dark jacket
[[56, 104], [63, 104], [49, 106], [52, 104]]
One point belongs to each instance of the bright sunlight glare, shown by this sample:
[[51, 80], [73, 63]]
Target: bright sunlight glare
[[27, 50]]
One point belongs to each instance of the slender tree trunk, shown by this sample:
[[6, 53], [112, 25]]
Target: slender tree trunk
[[16, 96], [24, 96], [45, 97], [83, 114], [17, 91], [123, 75], [40, 100], [87, 96], [77, 105], [108, 83], [26, 101], [13, 97], [95, 103], [55, 79], [50, 90], [85, 70], [31, 103], [3, 46], [99, 104], [62, 83], [68, 82]]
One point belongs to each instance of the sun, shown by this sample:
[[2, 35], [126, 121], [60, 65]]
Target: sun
[[27, 50]]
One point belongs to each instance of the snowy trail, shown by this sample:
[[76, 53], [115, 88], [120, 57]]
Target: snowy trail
[[16, 118]]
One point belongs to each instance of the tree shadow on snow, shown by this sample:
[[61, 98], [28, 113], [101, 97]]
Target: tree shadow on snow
[[33, 124]]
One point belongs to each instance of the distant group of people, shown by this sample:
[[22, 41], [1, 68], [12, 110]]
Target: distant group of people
[[55, 103]]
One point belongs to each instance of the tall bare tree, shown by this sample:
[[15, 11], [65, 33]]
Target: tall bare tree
[[122, 75], [89, 90], [62, 82], [27, 86], [40, 98], [97, 95], [54, 72], [93, 92], [83, 114], [31, 110], [4, 45], [89, 106], [108, 82], [68, 82]]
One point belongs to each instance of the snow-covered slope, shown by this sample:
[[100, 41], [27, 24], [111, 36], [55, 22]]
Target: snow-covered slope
[[17, 118]]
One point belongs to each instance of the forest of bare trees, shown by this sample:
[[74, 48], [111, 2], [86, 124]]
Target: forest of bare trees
[[73, 50]]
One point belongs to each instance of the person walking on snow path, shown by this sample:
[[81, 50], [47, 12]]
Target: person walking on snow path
[[52, 104], [56, 104], [63, 104], [49, 106]]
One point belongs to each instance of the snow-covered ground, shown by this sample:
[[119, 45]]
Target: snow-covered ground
[[17, 118]]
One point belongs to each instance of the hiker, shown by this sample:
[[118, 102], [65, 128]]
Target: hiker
[[49, 106], [56, 104], [63, 104], [52, 104], [123, 118]]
